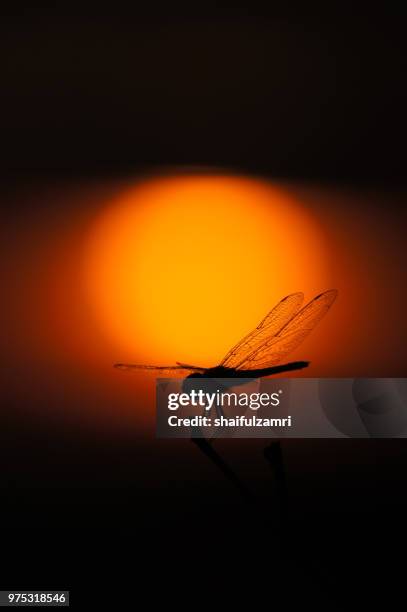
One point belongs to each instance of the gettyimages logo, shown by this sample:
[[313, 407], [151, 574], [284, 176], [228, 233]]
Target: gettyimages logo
[[220, 408], [280, 408], [220, 399]]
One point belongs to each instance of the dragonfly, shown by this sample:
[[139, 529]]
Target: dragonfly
[[261, 352]]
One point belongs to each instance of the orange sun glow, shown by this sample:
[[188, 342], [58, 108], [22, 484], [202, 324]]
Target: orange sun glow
[[180, 267]]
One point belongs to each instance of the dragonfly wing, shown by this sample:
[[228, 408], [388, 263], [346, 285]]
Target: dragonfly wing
[[170, 370], [275, 320], [276, 347]]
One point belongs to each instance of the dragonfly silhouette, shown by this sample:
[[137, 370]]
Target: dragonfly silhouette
[[260, 353]]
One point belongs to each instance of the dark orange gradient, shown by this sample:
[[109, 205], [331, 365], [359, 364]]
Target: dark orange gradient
[[180, 267]]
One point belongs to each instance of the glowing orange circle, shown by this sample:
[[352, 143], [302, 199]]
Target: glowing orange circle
[[179, 268]]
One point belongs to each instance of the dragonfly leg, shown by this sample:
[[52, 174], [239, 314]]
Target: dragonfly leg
[[219, 411]]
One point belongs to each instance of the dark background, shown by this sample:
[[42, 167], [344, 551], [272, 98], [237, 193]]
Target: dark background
[[293, 96], [304, 98]]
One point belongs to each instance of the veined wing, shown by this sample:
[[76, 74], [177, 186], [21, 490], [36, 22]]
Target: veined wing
[[276, 347], [275, 320], [170, 370]]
